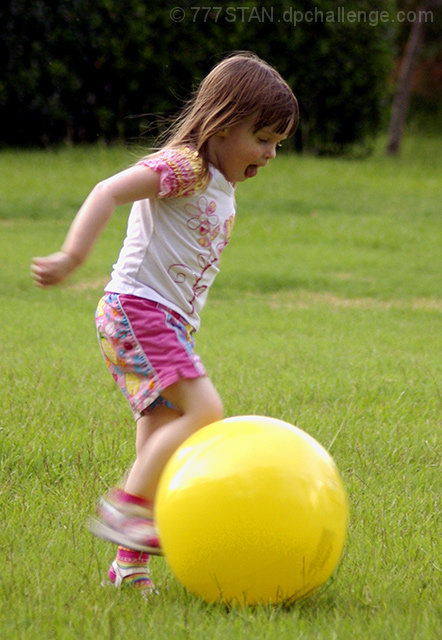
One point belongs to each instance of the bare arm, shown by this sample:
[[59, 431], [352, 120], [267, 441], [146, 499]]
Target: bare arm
[[135, 183]]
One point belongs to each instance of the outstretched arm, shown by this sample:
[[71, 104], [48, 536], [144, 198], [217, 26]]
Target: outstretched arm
[[135, 183]]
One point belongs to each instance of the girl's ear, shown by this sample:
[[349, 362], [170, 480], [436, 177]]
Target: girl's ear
[[223, 133]]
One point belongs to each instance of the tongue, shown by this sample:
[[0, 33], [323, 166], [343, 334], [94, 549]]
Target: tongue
[[251, 171]]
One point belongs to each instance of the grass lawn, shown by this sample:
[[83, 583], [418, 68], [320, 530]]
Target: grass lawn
[[326, 314]]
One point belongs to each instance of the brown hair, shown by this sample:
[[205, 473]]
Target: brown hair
[[239, 86]]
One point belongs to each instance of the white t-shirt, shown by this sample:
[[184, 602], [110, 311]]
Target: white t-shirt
[[173, 243]]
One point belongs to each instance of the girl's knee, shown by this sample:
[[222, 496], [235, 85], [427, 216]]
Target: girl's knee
[[206, 409], [215, 409]]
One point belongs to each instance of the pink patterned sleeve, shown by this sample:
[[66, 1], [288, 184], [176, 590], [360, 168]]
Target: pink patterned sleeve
[[181, 171]]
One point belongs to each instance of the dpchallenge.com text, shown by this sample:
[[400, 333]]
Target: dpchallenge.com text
[[294, 16]]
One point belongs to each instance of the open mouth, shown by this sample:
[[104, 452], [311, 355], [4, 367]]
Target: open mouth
[[251, 171]]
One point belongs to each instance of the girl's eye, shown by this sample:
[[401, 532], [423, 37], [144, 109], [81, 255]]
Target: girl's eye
[[264, 141]]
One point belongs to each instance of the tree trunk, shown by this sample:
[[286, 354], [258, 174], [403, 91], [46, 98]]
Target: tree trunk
[[404, 83]]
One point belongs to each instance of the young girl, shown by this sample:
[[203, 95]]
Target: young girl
[[180, 222]]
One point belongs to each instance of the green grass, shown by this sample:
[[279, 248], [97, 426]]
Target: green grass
[[326, 313]]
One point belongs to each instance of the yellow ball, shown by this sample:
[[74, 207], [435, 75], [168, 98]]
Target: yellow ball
[[252, 510]]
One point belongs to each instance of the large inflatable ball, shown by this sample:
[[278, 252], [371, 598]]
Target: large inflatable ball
[[252, 510]]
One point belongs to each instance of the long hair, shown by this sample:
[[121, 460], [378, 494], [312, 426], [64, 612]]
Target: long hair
[[239, 86]]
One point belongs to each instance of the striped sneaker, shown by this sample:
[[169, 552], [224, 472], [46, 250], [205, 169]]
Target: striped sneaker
[[126, 523], [135, 577]]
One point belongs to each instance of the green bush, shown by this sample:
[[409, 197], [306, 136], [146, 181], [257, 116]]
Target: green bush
[[77, 71]]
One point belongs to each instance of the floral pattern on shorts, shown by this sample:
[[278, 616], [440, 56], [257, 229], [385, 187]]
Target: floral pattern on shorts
[[126, 359]]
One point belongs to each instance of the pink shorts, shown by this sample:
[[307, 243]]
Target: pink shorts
[[146, 346]]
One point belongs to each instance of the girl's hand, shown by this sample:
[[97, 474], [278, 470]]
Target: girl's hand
[[52, 269]]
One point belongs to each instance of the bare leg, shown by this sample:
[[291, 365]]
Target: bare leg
[[150, 422], [132, 567], [122, 517], [199, 404]]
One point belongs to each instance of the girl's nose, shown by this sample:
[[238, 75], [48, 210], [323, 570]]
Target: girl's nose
[[270, 151]]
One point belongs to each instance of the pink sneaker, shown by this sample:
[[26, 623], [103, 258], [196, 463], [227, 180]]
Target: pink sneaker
[[125, 523]]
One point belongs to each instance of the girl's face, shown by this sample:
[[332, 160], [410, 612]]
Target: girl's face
[[239, 151]]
